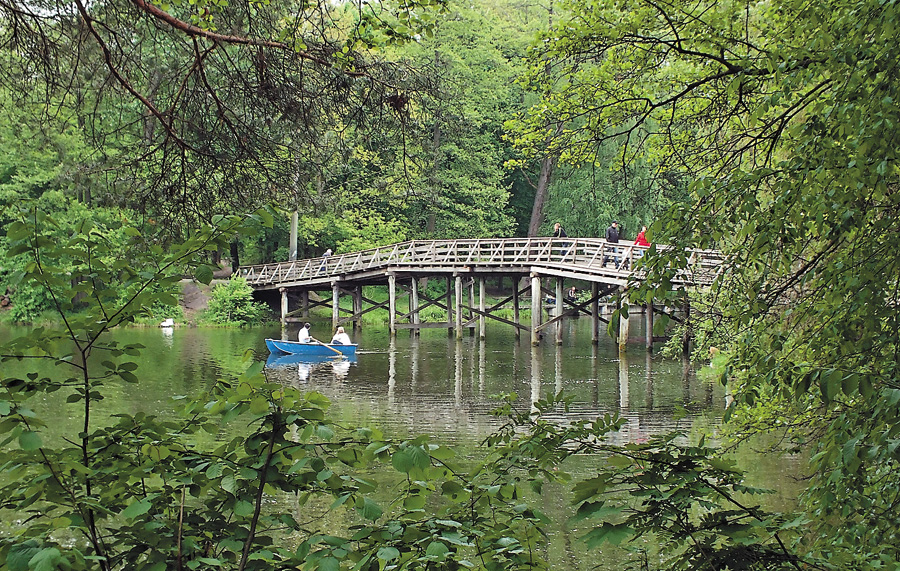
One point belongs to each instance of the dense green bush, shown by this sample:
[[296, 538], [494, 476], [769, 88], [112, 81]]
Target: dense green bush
[[232, 302]]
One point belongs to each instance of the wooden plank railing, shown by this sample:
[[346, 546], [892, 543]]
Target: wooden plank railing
[[590, 255]]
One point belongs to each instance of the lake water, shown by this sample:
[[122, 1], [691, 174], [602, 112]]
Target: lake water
[[434, 384], [437, 385]]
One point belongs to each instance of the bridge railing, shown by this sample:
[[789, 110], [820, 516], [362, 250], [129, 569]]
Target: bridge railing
[[593, 255]]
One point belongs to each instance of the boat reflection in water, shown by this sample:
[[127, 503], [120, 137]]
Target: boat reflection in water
[[306, 363]]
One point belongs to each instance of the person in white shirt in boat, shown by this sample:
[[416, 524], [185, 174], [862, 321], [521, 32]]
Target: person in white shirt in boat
[[303, 335], [341, 337]]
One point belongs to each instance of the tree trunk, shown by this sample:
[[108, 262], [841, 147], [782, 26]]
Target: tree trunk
[[540, 196]]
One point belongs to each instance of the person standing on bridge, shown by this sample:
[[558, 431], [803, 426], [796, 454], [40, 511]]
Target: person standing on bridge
[[558, 232], [325, 257], [612, 237]]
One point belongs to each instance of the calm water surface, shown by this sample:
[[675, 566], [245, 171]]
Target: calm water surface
[[432, 384]]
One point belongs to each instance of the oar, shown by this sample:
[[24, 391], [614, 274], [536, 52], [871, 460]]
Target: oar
[[341, 355]]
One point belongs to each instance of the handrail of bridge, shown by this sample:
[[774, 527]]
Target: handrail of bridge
[[594, 255]]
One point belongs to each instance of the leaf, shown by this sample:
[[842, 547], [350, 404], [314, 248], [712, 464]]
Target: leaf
[[136, 509], [259, 405], [229, 484], [369, 509], [30, 440], [830, 384], [388, 553], [214, 471], [402, 461], [20, 554], [243, 508], [47, 559], [614, 534], [437, 549], [203, 274], [410, 457], [442, 453], [329, 564], [414, 502]]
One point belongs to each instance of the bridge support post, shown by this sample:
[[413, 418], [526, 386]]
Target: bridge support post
[[284, 305], [535, 308], [623, 324], [481, 308], [559, 310], [392, 304], [304, 304], [335, 305], [459, 300], [648, 323], [414, 305], [595, 313], [516, 315], [471, 298], [449, 305], [357, 307]]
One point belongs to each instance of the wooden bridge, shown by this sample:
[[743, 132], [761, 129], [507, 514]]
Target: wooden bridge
[[466, 265]]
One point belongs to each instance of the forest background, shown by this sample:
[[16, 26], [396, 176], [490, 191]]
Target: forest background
[[767, 130]]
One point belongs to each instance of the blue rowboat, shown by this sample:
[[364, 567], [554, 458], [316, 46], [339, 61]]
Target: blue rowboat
[[312, 349], [278, 360]]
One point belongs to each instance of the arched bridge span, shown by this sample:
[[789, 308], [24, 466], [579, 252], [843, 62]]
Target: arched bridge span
[[527, 264]]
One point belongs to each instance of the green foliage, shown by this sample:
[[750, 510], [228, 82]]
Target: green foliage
[[232, 302], [692, 504], [790, 148], [370, 231], [31, 299]]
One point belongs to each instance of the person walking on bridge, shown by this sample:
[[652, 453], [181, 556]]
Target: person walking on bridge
[[641, 239], [612, 237]]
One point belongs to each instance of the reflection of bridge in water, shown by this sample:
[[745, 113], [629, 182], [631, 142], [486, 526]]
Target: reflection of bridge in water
[[466, 265], [425, 389]]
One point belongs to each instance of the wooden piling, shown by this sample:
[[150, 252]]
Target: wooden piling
[[392, 303], [516, 315], [459, 302], [481, 308], [535, 308], [335, 304], [414, 305], [559, 310]]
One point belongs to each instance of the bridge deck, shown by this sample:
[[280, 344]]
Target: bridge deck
[[575, 258]]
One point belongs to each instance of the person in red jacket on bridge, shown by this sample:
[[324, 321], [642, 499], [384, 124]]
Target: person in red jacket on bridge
[[641, 239]]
